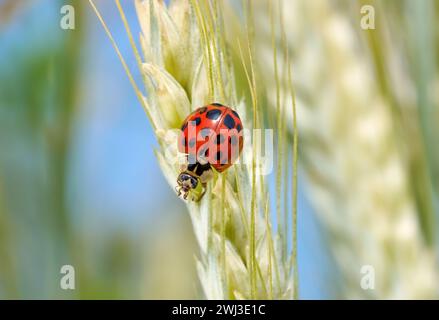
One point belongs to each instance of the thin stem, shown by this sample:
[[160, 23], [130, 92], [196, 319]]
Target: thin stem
[[206, 51], [269, 248], [223, 226], [139, 95], [279, 166], [253, 180], [294, 183]]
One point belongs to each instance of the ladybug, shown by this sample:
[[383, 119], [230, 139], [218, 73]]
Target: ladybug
[[211, 138]]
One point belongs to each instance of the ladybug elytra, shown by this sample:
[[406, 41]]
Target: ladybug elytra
[[211, 138]]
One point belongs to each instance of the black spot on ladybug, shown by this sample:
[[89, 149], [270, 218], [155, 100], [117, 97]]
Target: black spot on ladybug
[[239, 127], [202, 110], [197, 121], [203, 152], [192, 142], [201, 168], [236, 114], [213, 114], [229, 122], [217, 104], [205, 132], [233, 140], [183, 127], [219, 139]]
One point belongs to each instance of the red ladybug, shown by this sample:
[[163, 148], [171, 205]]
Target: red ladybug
[[211, 137]]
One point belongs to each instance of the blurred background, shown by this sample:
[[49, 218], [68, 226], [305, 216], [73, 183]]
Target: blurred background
[[79, 182]]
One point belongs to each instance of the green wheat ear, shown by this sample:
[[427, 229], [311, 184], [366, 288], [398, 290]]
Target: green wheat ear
[[187, 61]]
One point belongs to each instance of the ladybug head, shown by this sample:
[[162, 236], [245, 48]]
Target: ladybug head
[[186, 182]]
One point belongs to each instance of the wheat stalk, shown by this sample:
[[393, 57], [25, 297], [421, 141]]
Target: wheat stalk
[[187, 61]]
